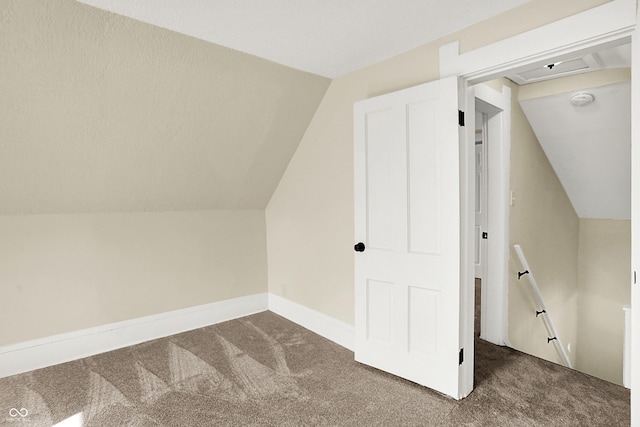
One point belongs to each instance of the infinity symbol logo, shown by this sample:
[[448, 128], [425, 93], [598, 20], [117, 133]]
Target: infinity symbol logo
[[22, 412]]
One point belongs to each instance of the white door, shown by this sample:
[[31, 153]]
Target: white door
[[407, 229], [480, 195]]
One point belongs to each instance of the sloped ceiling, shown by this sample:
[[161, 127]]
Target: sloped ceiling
[[589, 147], [102, 113], [325, 37]]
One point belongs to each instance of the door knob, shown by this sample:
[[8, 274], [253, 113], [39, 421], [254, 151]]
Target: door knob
[[359, 247]]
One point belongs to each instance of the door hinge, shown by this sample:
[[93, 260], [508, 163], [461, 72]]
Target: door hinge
[[485, 235], [460, 118], [461, 356], [634, 277]]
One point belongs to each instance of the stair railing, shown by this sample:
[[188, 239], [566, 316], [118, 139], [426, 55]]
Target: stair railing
[[543, 308]]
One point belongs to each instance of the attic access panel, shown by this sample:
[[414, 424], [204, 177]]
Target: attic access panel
[[617, 56], [585, 64]]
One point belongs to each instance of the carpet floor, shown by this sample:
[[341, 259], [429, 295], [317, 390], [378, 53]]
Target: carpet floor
[[263, 370]]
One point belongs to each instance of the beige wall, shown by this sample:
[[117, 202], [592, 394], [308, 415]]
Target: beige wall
[[102, 113], [604, 282], [574, 83], [61, 273], [310, 216], [543, 222]]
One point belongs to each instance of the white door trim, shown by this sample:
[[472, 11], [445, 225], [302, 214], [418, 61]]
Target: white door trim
[[585, 31], [611, 23], [494, 308]]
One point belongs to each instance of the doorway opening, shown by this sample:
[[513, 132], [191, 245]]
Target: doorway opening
[[577, 35], [570, 173]]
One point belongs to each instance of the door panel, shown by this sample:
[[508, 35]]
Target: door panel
[[424, 222], [380, 312], [407, 213], [380, 190], [423, 318]]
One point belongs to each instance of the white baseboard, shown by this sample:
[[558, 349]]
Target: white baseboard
[[335, 330], [55, 349], [40, 353]]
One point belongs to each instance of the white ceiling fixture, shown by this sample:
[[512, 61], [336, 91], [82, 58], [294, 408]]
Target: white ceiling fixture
[[325, 37], [581, 99]]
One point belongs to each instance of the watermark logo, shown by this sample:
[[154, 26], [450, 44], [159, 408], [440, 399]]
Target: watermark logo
[[22, 412]]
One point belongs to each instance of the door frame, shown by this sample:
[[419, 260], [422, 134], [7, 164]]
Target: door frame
[[494, 308], [609, 24]]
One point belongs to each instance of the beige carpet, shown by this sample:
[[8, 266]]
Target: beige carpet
[[263, 370]]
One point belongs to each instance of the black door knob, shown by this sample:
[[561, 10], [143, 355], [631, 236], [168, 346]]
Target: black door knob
[[359, 247]]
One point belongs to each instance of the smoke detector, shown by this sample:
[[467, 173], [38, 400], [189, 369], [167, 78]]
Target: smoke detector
[[581, 99]]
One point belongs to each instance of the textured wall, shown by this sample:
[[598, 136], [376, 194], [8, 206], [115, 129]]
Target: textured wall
[[310, 216], [104, 113]]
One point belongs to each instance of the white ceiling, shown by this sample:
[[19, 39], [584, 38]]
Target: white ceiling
[[589, 147], [325, 37]]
